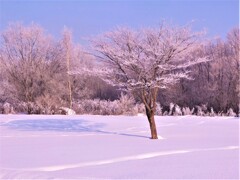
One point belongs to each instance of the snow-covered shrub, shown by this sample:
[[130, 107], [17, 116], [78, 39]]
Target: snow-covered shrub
[[105, 107], [230, 112], [165, 113], [7, 108], [26, 108], [174, 109], [187, 111], [192, 111], [48, 104], [200, 111], [127, 105], [204, 109], [238, 113], [33, 108], [20, 107], [91, 106], [220, 113], [1, 108], [171, 106], [177, 110], [42, 105], [114, 109], [67, 111], [158, 109], [124, 106], [141, 108], [212, 113]]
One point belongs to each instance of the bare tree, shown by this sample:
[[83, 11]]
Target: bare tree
[[233, 44], [147, 60], [216, 83], [23, 50], [30, 59]]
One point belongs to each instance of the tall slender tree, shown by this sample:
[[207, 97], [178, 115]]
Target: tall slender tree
[[67, 43]]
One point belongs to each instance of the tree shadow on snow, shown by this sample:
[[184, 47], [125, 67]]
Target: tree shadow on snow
[[61, 125]]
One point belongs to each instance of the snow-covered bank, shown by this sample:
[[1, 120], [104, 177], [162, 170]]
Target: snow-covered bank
[[70, 147]]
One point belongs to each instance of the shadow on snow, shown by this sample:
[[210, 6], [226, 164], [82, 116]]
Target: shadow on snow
[[61, 125]]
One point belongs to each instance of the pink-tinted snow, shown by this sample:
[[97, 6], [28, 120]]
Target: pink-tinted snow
[[108, 147]]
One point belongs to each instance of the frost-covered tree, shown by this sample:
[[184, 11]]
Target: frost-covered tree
[[23, 55], [234, 67], [216, 82], [34, 69], [31, 63], [147, 60]]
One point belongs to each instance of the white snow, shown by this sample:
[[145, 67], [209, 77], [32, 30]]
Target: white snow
[[68, 111], [118, 147]]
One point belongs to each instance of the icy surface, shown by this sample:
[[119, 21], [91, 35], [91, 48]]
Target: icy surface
[[108, 147]]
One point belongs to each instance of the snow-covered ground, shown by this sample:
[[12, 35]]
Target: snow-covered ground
[[74, 147]]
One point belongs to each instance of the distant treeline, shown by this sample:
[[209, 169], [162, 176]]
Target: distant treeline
[[39, 74]]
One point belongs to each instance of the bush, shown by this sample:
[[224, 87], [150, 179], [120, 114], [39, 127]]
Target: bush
[[212, 113], [124, 106], [6, 108], [177, 111], [187, 111], [159, 109], [230, 112]]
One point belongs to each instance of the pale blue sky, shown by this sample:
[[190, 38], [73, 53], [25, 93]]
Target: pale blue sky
[[89, 18]]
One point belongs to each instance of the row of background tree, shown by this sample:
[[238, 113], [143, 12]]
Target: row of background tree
[[36, 71]]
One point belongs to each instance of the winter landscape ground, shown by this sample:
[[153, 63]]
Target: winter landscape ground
[[108, 147]]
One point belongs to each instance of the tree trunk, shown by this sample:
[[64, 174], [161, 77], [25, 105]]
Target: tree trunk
[[151, 120]]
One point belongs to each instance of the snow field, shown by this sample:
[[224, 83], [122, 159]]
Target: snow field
[[109, 147]]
